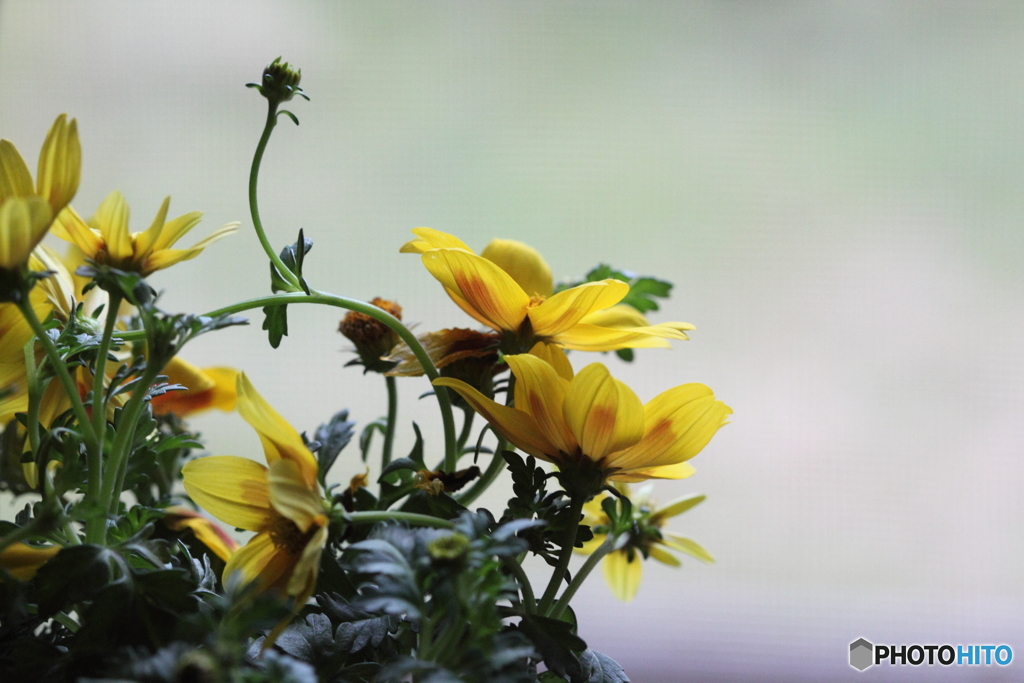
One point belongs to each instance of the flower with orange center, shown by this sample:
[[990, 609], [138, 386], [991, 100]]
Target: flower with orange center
[[510, 289], [106, 240], [592, 421], [282, 503]]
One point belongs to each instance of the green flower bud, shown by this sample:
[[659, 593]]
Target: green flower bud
[[280, 82]]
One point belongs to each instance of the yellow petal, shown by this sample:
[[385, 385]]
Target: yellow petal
[[260, 560], [555, 357], [516, 426], [23, 222], [15, 179], [59, 288], [676, 507], [590, 546], [688, 546], [176, 228], [280, 440], [290, 495], [540, 392], [623, 576], [164, 258], [206, 532], [70, 226], [678, 424], [145, 241], [563, 310], [585, 337], [232, 489], [524, 263], [22, 561], [486, 288], [623, 317], [603, 413], [112, 220], [60, 164], [680, 470], [432, 239], [303, 579], [663, 556]]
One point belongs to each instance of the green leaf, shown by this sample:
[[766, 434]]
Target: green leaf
[[557, 644], [275, 323], [642, 290], [366, 437], [333, 437], [74, 574], [600, 668]]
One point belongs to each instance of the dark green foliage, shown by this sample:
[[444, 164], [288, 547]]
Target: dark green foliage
[[329, 440]]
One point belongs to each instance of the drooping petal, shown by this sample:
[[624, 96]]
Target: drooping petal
[[679, 423], [303, 579], [515, 425], [524, 263], [260, 560], [232, 489], [663, 556], [688, 546], [60, 163], [22, 561], [555, 357], [279, 439], [443, 347], [676, 507], [563, 310], [15, 178], [622, 316], [680, 470], [585, 337], [206, 388], [290, 495], [540, 392], [603, 413], [205, 531], [164, 258], [486, 288], [623, 576], [432, 239], [23, 223], [112, 221]]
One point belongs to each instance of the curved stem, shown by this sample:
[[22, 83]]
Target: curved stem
[[254, 209], [568, 542], [582, 575], [525, 587], [389, 433], [487, 478], [374, 516], [317, 297], [467, 428]]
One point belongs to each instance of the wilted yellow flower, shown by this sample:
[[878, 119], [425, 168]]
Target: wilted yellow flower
[[593, 419], [373, 339], [282, 502], [105, 238], [509, 288], [22, 561], [623, 567], [27, 210], [206, 388]]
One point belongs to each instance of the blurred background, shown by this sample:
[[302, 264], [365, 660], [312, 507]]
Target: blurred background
[[833, 187]]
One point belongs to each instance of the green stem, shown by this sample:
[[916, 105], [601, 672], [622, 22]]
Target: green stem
[[525, 587], [487, 478], [67, 622], [254, 173], [389, 432], [317, 297], [35, 527], [35, 396], [568, 542], [99, 403], [467, 428], [121, 450], [582, 575], [71, 533], [374, 516]]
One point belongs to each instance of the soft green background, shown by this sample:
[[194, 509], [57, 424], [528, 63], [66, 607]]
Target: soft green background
[[834, 187]]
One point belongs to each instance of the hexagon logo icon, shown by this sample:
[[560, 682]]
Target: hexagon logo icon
[[861, 654]]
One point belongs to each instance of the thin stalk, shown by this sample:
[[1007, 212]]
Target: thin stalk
[[582, 575], [99, 403], [35, 396], [443, 399], [525, 587], [389, 432], [254, 209], [71, 533], [374, 516], [487, 478], [467, 428], [35, 527], [67, 621], [568, 542]]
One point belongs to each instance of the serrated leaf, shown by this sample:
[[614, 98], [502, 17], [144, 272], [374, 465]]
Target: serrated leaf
[[275, 323], [75, 573], [333, 436], [600, 668]]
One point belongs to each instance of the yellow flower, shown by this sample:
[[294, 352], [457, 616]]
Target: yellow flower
[[206, 532], [105, 239], [594, 419], [22, 561], [27, 210], [509, 288], [623, 567], [282, 502], [206, 388]]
